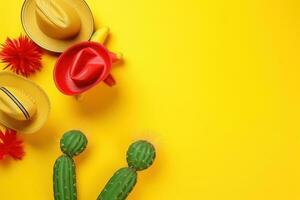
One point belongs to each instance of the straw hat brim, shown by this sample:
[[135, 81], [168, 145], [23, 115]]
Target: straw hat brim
[[41, 100], [30, 26]]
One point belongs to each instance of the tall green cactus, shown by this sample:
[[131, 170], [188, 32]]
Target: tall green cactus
[[64, 174], [64, 178], [140, 156]]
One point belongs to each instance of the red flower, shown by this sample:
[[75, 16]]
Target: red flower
[[10, 145], [22, 55]]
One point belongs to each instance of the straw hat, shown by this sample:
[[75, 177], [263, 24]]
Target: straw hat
[[56, 25], [24, 106], [83, 66]]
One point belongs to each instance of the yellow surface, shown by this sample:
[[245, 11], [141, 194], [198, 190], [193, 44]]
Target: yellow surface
[[214, 84]]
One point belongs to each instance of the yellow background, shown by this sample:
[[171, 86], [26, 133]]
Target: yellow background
[[213, 84]]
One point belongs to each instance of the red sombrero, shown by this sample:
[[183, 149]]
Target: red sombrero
[[83, 66]]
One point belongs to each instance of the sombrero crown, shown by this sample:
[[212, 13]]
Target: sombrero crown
[[57, 19]]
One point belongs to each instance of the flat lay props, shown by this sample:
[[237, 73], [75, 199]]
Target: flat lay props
[[214, 85], [83, 66], [86, 64], [64, 174], [24, 105], [60, 26], [10, 144], [140, 156], [56, 25], [21, 55]]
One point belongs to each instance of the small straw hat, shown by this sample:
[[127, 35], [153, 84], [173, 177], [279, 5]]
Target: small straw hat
[[24, 106], [56, 25]]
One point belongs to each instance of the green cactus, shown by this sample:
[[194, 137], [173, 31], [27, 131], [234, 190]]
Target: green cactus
[[64, 179], [140, 156], [120, 185], [73, 143], [64, 173]]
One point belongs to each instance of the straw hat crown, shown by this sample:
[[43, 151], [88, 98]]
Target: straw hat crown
[[16, 104], [57, 18]]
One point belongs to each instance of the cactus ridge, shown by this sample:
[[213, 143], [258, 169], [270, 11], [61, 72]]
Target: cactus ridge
[[141, 155], [73, 143], [64, 179], [120, 185]]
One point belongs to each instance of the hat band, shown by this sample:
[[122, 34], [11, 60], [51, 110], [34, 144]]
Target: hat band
[[16, 101]]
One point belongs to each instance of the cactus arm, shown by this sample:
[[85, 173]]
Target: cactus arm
[[128, 182], [120, 185], [64, 179], [140, 156]]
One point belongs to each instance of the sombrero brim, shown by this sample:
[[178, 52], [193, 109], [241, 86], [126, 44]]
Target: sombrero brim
[[29, 22], [61, 75], [41, 100]]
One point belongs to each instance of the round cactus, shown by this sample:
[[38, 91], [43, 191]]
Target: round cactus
[[140, 155], [73, 143]]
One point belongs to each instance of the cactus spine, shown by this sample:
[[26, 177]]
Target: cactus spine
[[140, 156], [64, 173]]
